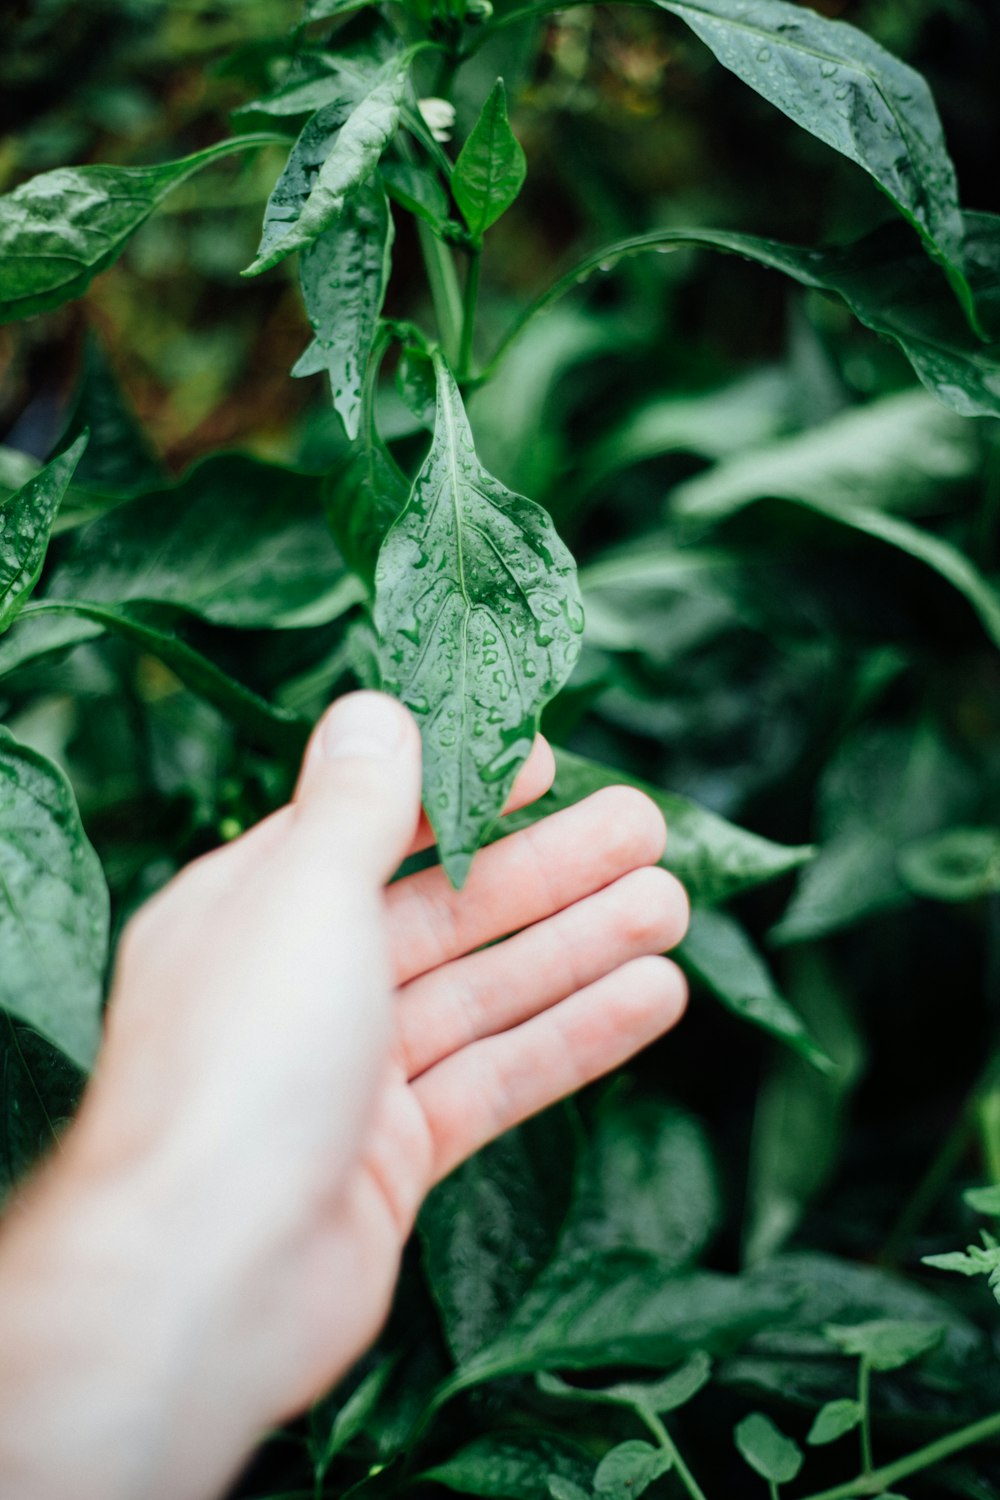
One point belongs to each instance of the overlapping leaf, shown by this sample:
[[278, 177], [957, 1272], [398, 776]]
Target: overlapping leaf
[[25, 524]]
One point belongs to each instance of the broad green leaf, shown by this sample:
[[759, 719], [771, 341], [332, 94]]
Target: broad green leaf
[[344, 274], [886, 1343], [119, 461], [479, 616], [328, 162], [46, 627], [959, 865], [39, 1091], [53, 906], [833, 1420], [646, 1180], [718, 952], [897, 453], [984, 1200], [630, 1468], [618, 1308], [660, 1396], [237, 542], [489, 1229], [886, 281], [25, 525], [512, 1466], [767, 1450], [847, 90], [60, 229], [490, 169], [321, 79], [714, 859]]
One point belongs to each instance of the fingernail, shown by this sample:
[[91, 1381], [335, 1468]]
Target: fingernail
[[362, 724]]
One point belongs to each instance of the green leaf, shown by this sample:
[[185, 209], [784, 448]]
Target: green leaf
[[490, 169], [984, 1200], [566, 1489], [328, 162], [718, 952], [39, 1092], [833, 1420], [324, 10], [897, 453], [479, 616], [959, 865], [512, 1466], [362, 500], [25, 525], [119, 461], [849, 92], [344, 274], [669, 1394], [620, 1308], [418, 190], [60, 229], [330, 1431], [886, 1343], [629, 1469], [767, 1450], [715, 860], [238, 542], [646, 1180], [53, 906], [489, 1228]]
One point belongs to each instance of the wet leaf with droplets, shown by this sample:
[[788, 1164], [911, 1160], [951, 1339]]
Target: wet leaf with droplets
[[849, 92], [479, 616], [25, 525], [344, 274]]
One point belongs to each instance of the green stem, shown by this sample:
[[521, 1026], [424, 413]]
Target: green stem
[[469, 300], [864, 1401], [772, 1486], [890, 1474], [669, 1447], [445, 294]]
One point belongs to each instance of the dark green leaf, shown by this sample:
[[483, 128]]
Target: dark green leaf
[[323, 10], [670, 1393], [767, 1450], [629, 1469], [886, 1343], [53, 906], [856, 97], [58, 230], [490, 1228], [490, 169], [119, 461], [344, 274], [418, 190], [960, 865], [237, 542], [329, 161], [515, 1466], [647, 1180], [833, 1420], [714, 859], [39, 1090], [25, 524], [331, 1431], [719, 953], [479, 616], [362, 500]]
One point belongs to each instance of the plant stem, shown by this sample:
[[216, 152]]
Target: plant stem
[[668, 1445], [469, 300], [445, 294], [878, 1480], [773, 1488], [864, 1401]]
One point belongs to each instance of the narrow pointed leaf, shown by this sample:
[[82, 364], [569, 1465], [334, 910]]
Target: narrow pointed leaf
[[58, 230], [328, 162], [490, 169], [344, 274], [25, 526], [844, 88], [53, 906], [120, 460], [479, 616]]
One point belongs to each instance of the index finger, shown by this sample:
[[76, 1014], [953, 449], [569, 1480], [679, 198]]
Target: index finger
[[533, 781]]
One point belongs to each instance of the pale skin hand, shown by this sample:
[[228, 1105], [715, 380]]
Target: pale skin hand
[[295, 1054]]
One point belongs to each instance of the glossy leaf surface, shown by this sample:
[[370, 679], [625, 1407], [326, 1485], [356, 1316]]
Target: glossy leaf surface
[[25, 525], [53, 906], [58, 230], [490, 169], [479, 616]]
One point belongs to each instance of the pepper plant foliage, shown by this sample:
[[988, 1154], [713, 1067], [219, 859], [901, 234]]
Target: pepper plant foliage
[[472, 233]]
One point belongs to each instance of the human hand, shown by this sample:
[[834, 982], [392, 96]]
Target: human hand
[[296, 1053]]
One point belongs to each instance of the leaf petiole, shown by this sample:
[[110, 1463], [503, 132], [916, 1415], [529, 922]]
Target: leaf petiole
[[658, 1428]]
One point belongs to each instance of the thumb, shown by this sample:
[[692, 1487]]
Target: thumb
[[359, 791]]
